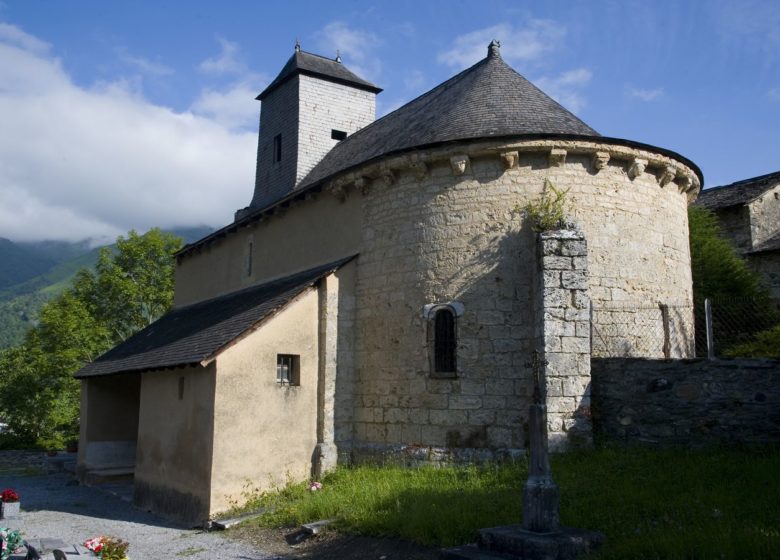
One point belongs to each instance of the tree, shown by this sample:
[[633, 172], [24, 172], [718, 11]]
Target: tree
[[742, 309], [131, 287], [718, 271]]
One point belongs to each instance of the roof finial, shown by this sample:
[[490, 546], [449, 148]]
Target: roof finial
[[297, 45], [338, 56], [494, 49]]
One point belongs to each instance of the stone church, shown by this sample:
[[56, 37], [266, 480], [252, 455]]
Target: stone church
[[383, 293]]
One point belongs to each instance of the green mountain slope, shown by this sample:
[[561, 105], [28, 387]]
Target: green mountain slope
[[19, 262], [36, 272]]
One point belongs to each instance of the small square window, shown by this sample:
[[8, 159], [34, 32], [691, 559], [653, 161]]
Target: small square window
[[338, 134], [288, 369]]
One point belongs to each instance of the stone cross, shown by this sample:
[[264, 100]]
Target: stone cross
[[536, 368], [541, 496]]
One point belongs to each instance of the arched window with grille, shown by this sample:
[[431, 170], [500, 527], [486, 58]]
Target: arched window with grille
[[443, 339]]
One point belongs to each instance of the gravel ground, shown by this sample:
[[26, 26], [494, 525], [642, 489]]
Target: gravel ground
[[53, 506]]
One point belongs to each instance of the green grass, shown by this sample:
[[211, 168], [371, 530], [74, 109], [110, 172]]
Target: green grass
[[649, 503]]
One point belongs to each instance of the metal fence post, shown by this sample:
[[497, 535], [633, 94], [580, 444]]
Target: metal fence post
[[708, 323]]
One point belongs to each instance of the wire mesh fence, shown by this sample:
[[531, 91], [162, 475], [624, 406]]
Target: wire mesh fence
[[718, 327], [728, 327], [649, 331]]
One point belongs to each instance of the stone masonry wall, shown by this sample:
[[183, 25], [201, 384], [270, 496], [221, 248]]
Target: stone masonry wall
[[767, 264], [441, 239], [686, 402], [444, 230], [562, 317], [765, 216]]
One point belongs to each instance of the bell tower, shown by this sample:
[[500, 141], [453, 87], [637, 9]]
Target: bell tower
[[313, 104]]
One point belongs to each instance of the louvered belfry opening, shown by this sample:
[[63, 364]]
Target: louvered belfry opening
[[444, 341]]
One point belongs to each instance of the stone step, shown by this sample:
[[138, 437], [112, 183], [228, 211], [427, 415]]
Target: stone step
[[108, 475]]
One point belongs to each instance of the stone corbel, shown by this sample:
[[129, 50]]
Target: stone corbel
[[637, 167], [685, 183], [510, 159], [387, 176], [336, 188], [362, 184], [460, 164], [418, 167], [667, 175], [600, 160], [557, 157]]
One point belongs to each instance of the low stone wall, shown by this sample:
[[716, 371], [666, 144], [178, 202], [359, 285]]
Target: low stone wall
[[686, 402]]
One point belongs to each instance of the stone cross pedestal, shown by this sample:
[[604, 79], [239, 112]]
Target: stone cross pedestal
[[540, 537]]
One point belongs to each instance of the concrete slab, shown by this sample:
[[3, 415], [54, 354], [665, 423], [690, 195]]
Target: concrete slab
[[222, 524]]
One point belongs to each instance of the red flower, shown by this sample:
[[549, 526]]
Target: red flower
[[9, 495]]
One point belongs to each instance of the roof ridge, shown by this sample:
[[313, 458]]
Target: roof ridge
[[742, 182], [487, 99], [304, 62], [317, 55]]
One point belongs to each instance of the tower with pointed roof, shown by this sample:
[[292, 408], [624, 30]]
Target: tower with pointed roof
[[314, 103]]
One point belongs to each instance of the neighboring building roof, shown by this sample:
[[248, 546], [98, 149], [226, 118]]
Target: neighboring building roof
[[195, 333], [318, 66], [737, 193], [487, 100]]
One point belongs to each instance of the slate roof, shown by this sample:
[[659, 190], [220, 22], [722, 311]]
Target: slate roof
[[198, 332], [319, 66], [737, 193], [488, 99]]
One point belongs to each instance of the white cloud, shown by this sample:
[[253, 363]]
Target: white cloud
[[234, 107], [646, 94], [146, 66], [518, 44], [564, 88], [227, 62], [78, 162], [13, 35], [774, 94], [356, 47]]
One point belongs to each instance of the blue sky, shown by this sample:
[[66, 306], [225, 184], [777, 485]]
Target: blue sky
[[119, 115]]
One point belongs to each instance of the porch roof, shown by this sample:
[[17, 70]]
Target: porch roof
[[195, 334]]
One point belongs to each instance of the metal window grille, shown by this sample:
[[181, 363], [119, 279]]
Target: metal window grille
[[444, 341], [287, 369]]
